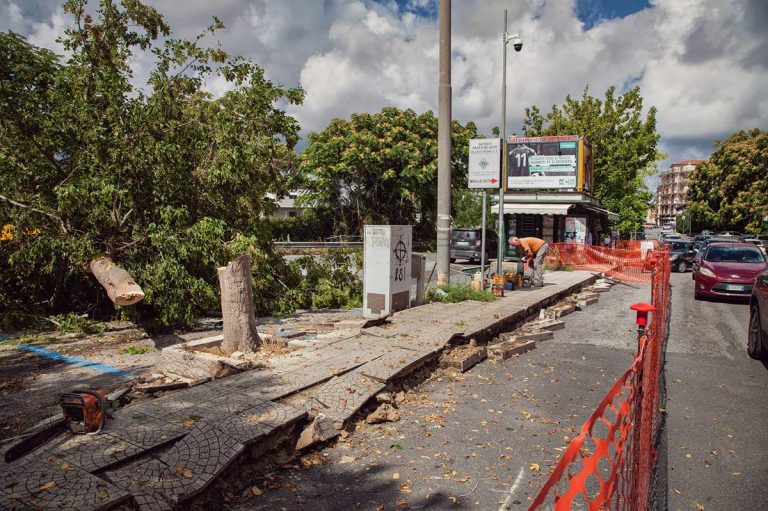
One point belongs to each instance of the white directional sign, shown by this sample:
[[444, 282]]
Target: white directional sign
[[484, 163]]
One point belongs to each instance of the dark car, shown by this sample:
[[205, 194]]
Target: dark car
[[757, 345], [728, 270], [680, 255], [466, 244]]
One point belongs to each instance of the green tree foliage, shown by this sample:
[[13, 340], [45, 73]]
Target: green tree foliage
[[381, 169], [467, 206], [730, 190], [164, 178], [624, 144]]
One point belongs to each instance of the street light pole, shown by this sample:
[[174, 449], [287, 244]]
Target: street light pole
[[444, 148], [502, 238]]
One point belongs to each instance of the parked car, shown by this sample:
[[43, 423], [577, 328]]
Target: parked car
[[757, 344], [728, 270], [702, 249], [699, 239], [466, 244], [680, 255], [728, 234]]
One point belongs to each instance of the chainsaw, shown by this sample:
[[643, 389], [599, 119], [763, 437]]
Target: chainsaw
[[84, 412]]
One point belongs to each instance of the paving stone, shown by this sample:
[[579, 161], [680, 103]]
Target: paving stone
[[394, 364], [550, 324], [507, 349], [344, 395], [185, 469], [92, 452], [259, 421], [148, 434], [48, 482], [479, 354]]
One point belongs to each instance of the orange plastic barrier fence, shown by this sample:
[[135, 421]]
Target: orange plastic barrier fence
[[632, 262], [611, 463]]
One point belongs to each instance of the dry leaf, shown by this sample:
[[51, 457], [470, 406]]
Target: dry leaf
[[65, 466], [736, 474], [14, 496], [179, 469], [347, 459], [396, 476], [186, 473], [535, 467], [104, 495], [48, 485], [687, 455], [678, 491], [525, 413], [698, 506], [256, 491]]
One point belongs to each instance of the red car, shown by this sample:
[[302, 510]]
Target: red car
[[757, 347], [728, 270]]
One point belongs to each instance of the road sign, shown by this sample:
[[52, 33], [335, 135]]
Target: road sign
[[484, 163]]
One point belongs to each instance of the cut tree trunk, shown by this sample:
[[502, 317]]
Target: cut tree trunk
[[237, 307], [120, 287]]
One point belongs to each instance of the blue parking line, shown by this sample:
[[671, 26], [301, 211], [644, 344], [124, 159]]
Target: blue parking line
[[102, 368]]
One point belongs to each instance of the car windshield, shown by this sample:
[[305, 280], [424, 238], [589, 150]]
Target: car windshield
[[464, 235], [734, 255], [679, 246]]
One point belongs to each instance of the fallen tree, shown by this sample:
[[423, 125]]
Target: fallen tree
[[119, 285]]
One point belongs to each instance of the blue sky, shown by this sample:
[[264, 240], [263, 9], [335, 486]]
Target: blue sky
[[703, 64]]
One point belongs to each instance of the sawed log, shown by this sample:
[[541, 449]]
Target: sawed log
[[120, 287]]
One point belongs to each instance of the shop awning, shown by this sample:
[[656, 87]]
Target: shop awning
[[613, 217], [532, 208]]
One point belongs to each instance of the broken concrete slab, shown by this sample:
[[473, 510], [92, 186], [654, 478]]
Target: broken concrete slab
[[550, 324], [188, 361], [321, 429], [561, 310], [394, 364], [507, 349], [384, 413], [466, 360], [344, 395], [534, 335], [258, 422]]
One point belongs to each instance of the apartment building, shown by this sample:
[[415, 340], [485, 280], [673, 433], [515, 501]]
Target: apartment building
[[673, 189]]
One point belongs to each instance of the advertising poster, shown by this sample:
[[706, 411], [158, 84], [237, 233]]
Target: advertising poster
[[542, 162]]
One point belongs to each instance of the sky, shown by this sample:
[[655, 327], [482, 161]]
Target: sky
[[702, 63]]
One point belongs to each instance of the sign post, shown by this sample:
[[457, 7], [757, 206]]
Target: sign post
[[484, 172]]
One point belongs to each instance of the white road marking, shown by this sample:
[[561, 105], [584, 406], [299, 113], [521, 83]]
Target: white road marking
[[512, 490]]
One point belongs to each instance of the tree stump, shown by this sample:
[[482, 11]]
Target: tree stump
[[237, 307], [120, 287]]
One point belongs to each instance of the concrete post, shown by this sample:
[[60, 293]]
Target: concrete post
[[444, 148]]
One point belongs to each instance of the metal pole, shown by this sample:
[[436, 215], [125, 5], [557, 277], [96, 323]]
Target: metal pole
[[444, 148], [482, 245], [502, 237]]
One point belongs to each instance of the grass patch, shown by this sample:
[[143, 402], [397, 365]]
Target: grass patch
[[451, 293], [28, 339], [75, 323], [135, 350]]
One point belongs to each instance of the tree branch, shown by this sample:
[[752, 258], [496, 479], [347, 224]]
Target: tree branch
[[46, 213]]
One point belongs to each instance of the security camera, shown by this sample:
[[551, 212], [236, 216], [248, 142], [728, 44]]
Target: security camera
[[517, 43]]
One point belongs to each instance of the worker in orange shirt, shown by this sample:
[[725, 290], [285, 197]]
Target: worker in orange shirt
[[534, 249]]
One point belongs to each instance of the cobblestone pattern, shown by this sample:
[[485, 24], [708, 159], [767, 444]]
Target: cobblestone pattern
[[185, 469], [146, 434], [92, 452], [48, 482], [344, 395], [396, 363], [259, 421]]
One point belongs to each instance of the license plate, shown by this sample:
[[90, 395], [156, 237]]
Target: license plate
[[734, 287]]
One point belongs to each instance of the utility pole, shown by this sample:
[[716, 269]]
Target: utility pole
[[502, 238], [444, 148]]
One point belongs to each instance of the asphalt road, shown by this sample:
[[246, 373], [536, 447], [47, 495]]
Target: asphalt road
[[488, 438]]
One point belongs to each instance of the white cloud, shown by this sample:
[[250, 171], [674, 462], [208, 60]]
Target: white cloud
[[702, 63]]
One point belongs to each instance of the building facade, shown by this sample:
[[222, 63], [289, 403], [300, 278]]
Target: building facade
[[671, 195]]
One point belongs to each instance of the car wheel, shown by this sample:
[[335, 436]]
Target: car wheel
[[681, 267], [453, 259], [471, 260], [697, 295], [755, 341]]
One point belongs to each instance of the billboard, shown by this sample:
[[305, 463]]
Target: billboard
[[484, 163], [547, 163]]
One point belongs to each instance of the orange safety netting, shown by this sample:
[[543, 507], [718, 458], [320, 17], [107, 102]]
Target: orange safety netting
[[631, 261], [610, 464]]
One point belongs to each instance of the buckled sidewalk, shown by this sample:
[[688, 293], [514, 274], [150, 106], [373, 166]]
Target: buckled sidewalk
[[159, 453]]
